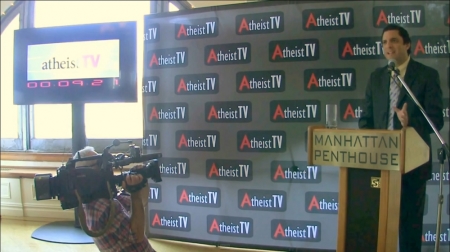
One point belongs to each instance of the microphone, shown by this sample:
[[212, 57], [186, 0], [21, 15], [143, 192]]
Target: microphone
[[117, 142], [391, 68]]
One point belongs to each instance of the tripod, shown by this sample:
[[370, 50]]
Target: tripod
[[442, 154]]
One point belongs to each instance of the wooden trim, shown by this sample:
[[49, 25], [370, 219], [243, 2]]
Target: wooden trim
[[402, 150], [342, 211], [31, 156], [383, 211], [30, 172], [17, 175], [393, 213]]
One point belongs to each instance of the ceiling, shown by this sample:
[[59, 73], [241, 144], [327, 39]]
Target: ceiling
[[195, 3], [199, 4]]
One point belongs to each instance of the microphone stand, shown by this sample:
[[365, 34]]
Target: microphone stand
[[443, 152]]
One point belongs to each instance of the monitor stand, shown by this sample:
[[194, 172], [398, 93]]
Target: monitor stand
[[68, 232]]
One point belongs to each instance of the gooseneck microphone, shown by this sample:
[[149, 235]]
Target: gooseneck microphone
[[391, 68]]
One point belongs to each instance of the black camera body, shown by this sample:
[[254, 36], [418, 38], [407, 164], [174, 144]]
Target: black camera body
[[91, 183]]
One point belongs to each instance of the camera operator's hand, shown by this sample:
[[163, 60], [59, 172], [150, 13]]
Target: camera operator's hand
[[136, 179], [139, 199], [131, 180]]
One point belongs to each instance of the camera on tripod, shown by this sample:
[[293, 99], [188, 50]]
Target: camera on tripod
[[92, 183]]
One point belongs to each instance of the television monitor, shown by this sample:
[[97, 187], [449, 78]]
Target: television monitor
[[92, 63]]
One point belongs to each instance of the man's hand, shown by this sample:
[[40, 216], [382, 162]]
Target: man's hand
[[134, 180], [402, 115], [131, 180], [138, 200]]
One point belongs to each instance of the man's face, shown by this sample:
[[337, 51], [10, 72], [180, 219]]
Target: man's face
[[394, 47]]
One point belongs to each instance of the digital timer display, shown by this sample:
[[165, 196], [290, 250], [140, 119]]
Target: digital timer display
[[93, 63], [68, 83]]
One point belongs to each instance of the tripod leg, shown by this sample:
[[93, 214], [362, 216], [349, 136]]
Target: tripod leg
[[441, 157]]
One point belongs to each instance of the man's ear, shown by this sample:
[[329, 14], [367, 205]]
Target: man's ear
[[408, 46]]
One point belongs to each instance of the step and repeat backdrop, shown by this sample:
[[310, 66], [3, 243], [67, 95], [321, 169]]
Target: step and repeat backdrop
[[228, 94]]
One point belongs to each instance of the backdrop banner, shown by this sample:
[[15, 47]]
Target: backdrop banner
[[228, 95]]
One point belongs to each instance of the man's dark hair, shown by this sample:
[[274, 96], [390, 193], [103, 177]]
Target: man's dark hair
[[402, 31]]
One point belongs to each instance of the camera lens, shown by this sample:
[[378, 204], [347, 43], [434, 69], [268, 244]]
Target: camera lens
[[42, 186]]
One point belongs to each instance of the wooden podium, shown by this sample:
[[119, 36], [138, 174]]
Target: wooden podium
[[371, 164]]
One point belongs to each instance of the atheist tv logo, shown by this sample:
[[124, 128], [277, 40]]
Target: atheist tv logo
[[163, 58], [294, 50], [229, 226], [261, 141], [197, 28], [436, 177], [445, 110], [429, 236], [174, 167], [155, 195], [224, 54], [337, 79], [228, 112], [197, 140], [169, 220], [430, 46], [151, 33], [168, 112], [295, 230], [350, 110], [207, 83], [295, 111], [269, 81], [406, 16], [260, 23], [262, 200], [355, 48], [327, 19], [151, 140], [150, 86], [198, 196], [321, 202], [284, 172], [228, 169]]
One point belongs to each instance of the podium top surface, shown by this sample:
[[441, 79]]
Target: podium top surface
[[397, 150]]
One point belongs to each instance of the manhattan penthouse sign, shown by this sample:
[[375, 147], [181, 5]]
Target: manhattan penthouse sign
[[396, 150]]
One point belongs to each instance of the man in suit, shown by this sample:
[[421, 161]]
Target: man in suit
[[388, 106]]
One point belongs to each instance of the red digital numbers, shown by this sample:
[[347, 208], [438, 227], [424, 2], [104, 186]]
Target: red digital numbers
[[64, 83], [32, 85], [45, 84], [97, 83], [77, 82]]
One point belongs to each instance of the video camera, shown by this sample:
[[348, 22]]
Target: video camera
[[92, 183]]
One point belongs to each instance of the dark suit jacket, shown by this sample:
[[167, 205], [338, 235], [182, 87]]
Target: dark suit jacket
[[424, 82]]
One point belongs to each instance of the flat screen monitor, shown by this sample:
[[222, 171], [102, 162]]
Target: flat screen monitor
[[93, 63]]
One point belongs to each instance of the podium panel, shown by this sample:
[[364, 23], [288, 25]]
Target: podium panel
[[371, 165], [363, 210]]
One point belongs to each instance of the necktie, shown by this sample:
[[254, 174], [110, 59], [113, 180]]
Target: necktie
[[394, 90]]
